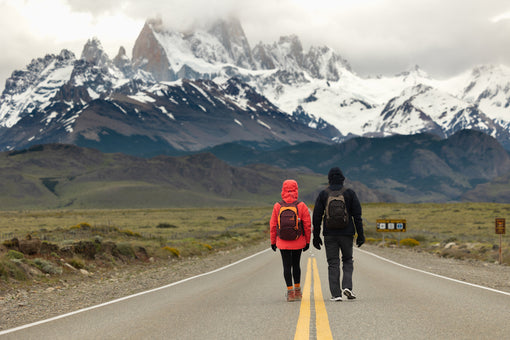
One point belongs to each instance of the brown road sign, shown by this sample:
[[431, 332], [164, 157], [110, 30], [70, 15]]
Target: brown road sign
[[500, 226]]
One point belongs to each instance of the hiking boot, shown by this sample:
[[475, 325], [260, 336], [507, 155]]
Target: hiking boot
[[290, 295], [336, 298], [350, 295], [297, 294]]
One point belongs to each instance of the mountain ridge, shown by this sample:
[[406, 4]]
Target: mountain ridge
[[413, 169], [67, 176], [314, 91]]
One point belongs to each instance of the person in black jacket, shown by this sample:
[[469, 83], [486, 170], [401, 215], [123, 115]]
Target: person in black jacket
[[338, 240]]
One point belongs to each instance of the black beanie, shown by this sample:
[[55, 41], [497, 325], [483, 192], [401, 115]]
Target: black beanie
[[335, 176]]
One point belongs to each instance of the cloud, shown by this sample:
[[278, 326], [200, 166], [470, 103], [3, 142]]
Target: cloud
[[96, 7], [375, 36], [500, 17]]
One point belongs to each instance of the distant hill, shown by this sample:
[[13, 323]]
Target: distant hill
[[497, 191], [421, 168], [67, 176], [417, 168]]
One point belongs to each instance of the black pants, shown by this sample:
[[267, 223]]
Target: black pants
[[291, 265], [334, 245]]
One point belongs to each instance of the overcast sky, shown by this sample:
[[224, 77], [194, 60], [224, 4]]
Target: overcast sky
[[443, 37]]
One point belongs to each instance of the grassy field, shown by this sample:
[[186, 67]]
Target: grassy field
[[152, 227], [471, 226], [459, 230], [107, 238]]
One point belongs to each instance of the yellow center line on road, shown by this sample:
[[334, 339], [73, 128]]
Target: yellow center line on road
[[303, 325], [321, 316]]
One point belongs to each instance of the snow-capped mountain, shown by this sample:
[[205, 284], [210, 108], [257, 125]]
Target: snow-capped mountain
[[422, 108], [207, 86], [114, 105]]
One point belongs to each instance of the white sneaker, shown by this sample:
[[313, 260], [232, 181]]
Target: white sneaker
[[336, 298], [350, 295]]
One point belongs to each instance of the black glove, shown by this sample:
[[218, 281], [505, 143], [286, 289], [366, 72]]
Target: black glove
[[360, 240], [306, 247], [317, 242], [273, 246]]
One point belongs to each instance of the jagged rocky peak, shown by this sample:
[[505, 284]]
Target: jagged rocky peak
[[483, 69], [169, 54], [262, 57], [20, 80], [121, 54], [415, 71], [93, 53], [286, 54], [228, 31], [324, 63], [65, 54], [121, 58], [155, 24], [292, 47], [231, 35], [122, 62], [148, 54]]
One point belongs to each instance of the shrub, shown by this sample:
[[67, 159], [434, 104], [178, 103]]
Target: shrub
[[77, 263], [15, 255], [166, 226], [10, 269], [207, 246], [126, 250], [14, 243], [390, 241], [409, 242], [455, 253], [47, 266], [420, 238], [449, 240], [371, 240], [83, 225], [130, 233], [174, 251]]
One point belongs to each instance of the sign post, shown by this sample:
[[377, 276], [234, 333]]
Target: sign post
[[500, 230], [386, 225]]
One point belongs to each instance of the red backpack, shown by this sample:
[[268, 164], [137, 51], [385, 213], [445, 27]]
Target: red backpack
[[289, 225]]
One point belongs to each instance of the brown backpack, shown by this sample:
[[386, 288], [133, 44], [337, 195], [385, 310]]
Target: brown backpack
[[337, 216], [289, 225]]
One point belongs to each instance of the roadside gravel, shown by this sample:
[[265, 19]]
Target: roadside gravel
[[39, 301], [486, 274]]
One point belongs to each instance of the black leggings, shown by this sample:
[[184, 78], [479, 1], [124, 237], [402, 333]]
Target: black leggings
[[291, 265]]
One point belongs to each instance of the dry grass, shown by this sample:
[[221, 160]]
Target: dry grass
[[157, 233], [470, 226], [459, 230], [147, 222]]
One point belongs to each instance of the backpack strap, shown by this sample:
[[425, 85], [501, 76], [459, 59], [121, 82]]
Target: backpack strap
[[329, 191], [285, 204]]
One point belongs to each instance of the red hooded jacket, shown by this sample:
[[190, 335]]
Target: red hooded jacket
[[289, 195]]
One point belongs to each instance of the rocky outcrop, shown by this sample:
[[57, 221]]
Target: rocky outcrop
[[30, 246], [231, 35], [149, 55], [93, 53]]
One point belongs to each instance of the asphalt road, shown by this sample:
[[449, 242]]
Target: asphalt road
[[247, 301]]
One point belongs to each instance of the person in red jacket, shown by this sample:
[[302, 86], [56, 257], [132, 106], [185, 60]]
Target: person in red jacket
[[290, 250]]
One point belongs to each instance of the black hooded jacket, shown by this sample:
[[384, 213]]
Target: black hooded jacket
[[336, 182]]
